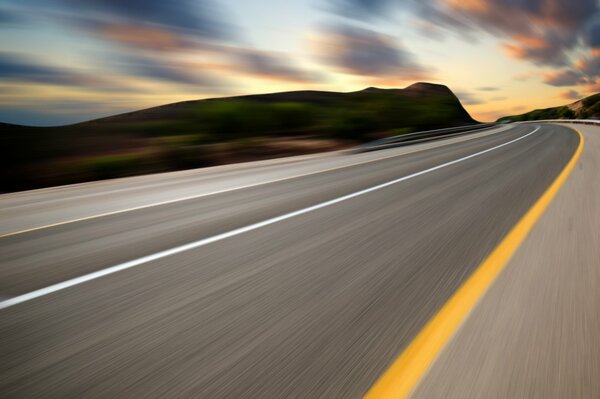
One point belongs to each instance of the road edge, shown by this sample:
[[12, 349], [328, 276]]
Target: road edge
[[405, 373], [197, 196]]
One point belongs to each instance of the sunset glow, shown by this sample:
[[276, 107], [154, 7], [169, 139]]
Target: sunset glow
[[63, 61]]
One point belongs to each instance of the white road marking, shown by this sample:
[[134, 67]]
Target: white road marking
[[162, 254], [190, 197]]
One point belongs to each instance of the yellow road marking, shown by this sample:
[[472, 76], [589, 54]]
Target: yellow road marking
[[404, 374]]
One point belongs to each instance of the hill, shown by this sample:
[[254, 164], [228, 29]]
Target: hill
[[587, 108], [216, 131]]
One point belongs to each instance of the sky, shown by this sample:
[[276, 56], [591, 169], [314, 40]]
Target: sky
[[64, 61]]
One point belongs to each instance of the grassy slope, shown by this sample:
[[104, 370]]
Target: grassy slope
[[586, 108], [207, 132]]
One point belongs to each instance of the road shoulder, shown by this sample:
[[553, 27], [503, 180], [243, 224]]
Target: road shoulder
[[534, 334], [23, 211]]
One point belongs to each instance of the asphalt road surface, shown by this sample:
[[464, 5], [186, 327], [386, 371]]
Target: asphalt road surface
[[301, 278]]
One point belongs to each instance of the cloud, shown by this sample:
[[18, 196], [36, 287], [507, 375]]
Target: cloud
[[467, 98], [192, 46], [269, 65], [23, 69], [570, 95], [592, 32], [146, 25], [164, 71], [365, 52], [541, 31], [185, 17], [564, 77], [593, 87], [237, 62], [18, 68], [551, 50], [9, 17], [147, 29], [361, 8], [152, 42], [149, 38], [590, 66], [488, 88], [137, 37], [144, 29], [585, 72]]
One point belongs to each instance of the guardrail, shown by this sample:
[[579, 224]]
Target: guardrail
[[580, 121], [425, 135]]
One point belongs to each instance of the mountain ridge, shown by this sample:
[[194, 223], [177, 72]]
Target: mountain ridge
[[215, 131], [296, 95], [585, 108]]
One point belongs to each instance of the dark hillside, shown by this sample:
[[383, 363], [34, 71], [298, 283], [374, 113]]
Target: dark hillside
[[587, 108], [221, 130]]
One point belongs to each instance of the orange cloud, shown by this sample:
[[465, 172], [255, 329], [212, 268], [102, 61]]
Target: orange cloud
[[476, 6], [255, 64], [592, 88], [514, 51], [530, 41], [141, 36], [570, 95], [363, 52], [541, 31]]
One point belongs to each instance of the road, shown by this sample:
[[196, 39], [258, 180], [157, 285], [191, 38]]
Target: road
[[302, 277], [535, 333]]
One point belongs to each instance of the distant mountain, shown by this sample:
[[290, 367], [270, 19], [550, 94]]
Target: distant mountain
[[587, 108], [401, 101], [216, 131]]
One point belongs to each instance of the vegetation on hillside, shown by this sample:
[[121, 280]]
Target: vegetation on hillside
[[590, 109], [208, 132]]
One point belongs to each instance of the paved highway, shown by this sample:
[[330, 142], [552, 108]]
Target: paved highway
[[302, 277]]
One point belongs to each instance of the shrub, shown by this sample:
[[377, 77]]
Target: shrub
[[109, 166]]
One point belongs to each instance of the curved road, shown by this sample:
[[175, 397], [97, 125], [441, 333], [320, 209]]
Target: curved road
[[302, 277]]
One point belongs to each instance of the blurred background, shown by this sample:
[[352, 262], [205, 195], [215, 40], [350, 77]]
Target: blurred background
[[63, 62]]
